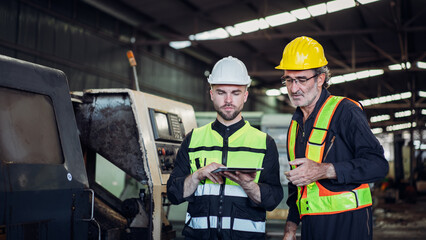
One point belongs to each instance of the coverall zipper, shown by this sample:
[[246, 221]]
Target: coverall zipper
[[222, 186]]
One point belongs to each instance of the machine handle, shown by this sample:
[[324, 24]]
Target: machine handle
[[93, 205], [92, 212]]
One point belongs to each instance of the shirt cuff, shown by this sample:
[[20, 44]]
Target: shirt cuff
[[340, 179]]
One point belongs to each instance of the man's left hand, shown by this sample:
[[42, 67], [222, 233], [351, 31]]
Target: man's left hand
[[243, 179], [246, 181], [308, 171]]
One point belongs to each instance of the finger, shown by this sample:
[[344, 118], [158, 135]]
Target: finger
[[215, 178]]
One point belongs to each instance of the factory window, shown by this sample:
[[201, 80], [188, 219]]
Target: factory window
[[28, 129]]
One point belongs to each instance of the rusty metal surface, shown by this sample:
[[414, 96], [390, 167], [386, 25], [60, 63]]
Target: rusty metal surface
[[107, 125]]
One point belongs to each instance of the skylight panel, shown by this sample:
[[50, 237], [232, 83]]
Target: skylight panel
[[317, 10], [280, 19], [248, 26], [233, 31], [384, 99], [367, 1], [277, 20], [338, 5], [218, 33], [301, 13], [421, 65]]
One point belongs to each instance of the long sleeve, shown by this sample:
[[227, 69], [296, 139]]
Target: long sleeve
[[175, 184], [293, 213], [368, 163], [269, 182]]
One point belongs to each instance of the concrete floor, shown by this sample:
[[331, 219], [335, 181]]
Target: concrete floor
[[400, 220]]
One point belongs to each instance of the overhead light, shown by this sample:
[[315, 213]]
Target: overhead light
[[380, 118], [251, 26], [423, 111], [284, 90], [384, 99], [404, 113], [179, 44], [421, 65], [405, 95], [280, 19], [363, 74], [218, 33], [357, 75], [273, 92], [263, 24], [233, 31], [376, 72], [400, 126], [317, 10], [350, 77], [301, 13], [400, 66], [422, 94], [367, 1], [338, 5], [337, 80], [377, 130], [275, 20]]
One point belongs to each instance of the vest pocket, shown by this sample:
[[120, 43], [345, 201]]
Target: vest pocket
[[197, 223], [247, 222]]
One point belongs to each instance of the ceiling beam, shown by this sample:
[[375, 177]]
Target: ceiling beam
[[381, 51]]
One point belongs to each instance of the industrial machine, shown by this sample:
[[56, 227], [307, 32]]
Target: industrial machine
[[44, 190], [109, 186]]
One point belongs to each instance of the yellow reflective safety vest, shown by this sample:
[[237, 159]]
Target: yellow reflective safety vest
[[244, 148], [315, 199]]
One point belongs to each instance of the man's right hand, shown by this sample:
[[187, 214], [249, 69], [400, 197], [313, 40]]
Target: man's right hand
[[205, 172], [192, 181]]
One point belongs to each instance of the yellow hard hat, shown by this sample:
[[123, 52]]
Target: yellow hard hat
[[302, 53]]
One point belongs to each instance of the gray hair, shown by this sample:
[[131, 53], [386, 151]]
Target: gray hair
[[327, 73]]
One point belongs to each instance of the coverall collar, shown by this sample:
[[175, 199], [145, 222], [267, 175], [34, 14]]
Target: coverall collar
[[221, 129]]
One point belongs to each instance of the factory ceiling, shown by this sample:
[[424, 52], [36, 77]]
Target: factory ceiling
[[363, 41]]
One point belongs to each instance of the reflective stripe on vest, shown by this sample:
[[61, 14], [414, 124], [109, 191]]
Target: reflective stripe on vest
[[239, 224], [315, 199], [214, 189], [244, 148]]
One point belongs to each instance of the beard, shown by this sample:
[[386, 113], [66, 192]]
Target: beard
[[228, 116], [309, 96]]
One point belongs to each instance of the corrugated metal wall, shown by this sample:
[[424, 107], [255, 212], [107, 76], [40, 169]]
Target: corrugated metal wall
[[87, 45]]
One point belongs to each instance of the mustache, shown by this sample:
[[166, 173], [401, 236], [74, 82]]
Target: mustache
[[299, 92], [227, 105]]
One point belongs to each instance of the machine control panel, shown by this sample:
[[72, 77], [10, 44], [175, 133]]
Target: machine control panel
[[166, 126], [167, 153]]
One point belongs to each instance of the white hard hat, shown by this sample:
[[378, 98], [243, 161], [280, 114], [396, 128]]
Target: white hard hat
[[229, 70]]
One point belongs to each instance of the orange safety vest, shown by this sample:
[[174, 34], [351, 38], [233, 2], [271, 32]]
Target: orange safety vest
[[315, 199]]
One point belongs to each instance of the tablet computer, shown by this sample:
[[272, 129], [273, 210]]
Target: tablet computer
[[233, 169]]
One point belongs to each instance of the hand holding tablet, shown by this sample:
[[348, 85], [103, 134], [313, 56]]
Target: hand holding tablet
[[233, 169]]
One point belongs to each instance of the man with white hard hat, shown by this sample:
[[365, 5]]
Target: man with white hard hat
[[226, 204]]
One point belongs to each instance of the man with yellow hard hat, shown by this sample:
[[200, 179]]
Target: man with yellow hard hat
[[331, 150]]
